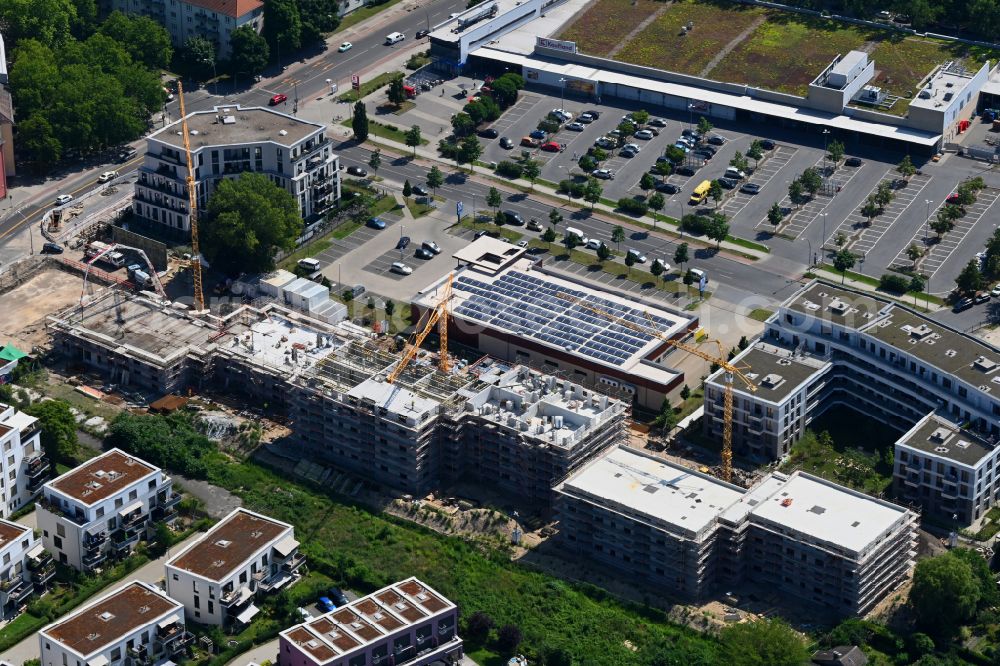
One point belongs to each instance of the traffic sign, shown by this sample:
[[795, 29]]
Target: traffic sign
[[459, 208], [356, 81]]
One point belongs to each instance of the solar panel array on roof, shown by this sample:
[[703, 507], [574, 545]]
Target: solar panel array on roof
[[529, 306]]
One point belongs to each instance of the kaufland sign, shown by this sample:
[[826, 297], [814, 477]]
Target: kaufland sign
[[556, 44]]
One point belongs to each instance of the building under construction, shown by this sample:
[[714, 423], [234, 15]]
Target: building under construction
[[504, 424]]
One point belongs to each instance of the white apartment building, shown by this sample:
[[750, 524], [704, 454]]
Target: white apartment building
[[214, 20], [21, 558], [103, 508], [217, 577], [404, 623], [23, 465], [295, 154], [135, 624]]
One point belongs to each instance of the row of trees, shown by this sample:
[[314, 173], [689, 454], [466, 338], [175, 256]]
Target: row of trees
[[980, 18], [74, 97]]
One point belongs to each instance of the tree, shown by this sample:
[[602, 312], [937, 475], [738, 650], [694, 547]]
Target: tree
[[198, 54], [549, 235], [871, 209], [531, 170], [739, 161], [627, 128], [715, 191], [647, 182], [375, 161], [407, 189], [688, 279], [617, 236], [36, 140], [249, 52], [883, 194], [916, 284], [469, 150], [318, 17], [478, 626], [970, 280], [944, 582], [249, 219], [413, 138], [656, 203], [656, 268], [146, 41], [705, 126], [283, 25], [390, 307], [913, 253], [989, 595], [396, 93], [835, 151], [755, 152], [509, 637], [504, 92], [674, 154], [629, 262], [681, 256], [796, 192], [603, 252], [811, 181], [762, 643], [844, 261], [493, 198], [587, 163], [718, 229], [685, 392], [775, 215], [905, 167], [359, 121], [944, 221], [555, 217], [58, 430], [666, 420], [435, 179], [663, 169], [47, 21], [462, 124], [571, 240], [499, 218], [640, 117], [592, 192]]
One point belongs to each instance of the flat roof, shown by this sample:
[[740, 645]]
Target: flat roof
[[112, 618], [970, 359], [829, 513], [489, 254], [102, 477], [774, 370], [249, 125], [945, 80], [558, 313], [228, 545], [357, 625], [683, 91], [676, 498], [848, 62], [11, 532], [938, 436], [835, 304]]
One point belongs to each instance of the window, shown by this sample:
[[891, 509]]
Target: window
[[197, 601], [211, 607], [243, 577], [176, 577], [100, 512], [60, 529], [132, 495], [57, 542]]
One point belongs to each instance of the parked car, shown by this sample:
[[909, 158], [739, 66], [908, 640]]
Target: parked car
[[853, 162], [735, 174], [717, 140], [489, 133], [512, 217], [644, 134], [278, 99], [629, 152], [728, 183], [703, 154], [657, 122], [506, 143], [357, 171], [423, 32], [551, 147], [686, 140], [376, 223], [963, 304], [423, 253], [326, 605], [603, 174], [52, 248], [692, 133], [981, 297], [537, 134], [767, 144], [401, 268], [682, 147], [685, 170], [522, 243], [576, 127], [995, 293], [338, 596], [127, 153], [705, 148], [403, 242], [953, 198], [63, 199], [750, 188], [667, 188], [605, 143], [564, 115], [530, 142], [345, 47], [639, 256], [107, 176], [420, 191], [534, 225], [431, 246], [593, 113], [304, 614]]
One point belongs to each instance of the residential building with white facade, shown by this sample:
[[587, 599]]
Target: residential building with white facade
[[21, 559], [23, 465], [103, 508], [214, 20], [689, 534], [294, 154], [217, 577], [135, 624], [404, 623]]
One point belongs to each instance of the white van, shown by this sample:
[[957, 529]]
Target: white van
[[394, 38], [579, 234], [309, 264], [699, 274]]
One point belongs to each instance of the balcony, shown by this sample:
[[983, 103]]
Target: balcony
[[132, 520], [94, 541], [91, 560], [235, 597], [77, 516], [139, 655], [293, 563], [161, 201], [177, 640], [37, 466], [125, 541], [171, 188], [43, 575], [173, 499]]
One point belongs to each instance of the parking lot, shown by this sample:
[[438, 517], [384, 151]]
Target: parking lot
[[861, 238], [342, 246], [765, 172], [816, 207]]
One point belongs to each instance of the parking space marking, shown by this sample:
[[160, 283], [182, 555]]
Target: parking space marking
[[939, 252], [340, 247], [381, 264], [863, 238], [516, 112], [762, 175], [810, 211]]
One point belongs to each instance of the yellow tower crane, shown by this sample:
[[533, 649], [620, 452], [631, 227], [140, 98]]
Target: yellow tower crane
[[199, 298], [439, 316], [720, 359]]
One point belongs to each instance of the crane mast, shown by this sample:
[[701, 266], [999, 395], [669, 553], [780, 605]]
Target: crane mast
[[199, 298]]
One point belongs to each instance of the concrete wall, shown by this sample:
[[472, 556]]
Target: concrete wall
[[833, 100]]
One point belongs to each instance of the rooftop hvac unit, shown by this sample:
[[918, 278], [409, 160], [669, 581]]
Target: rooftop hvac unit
[[557, 422]]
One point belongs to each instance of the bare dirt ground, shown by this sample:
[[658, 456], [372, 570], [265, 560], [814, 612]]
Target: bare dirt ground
[[24, 308]]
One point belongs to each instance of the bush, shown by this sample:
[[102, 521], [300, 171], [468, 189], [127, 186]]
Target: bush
[[571, 187], [509, 169], [633, 206], [548, 126], [694, 224], [896, 284]]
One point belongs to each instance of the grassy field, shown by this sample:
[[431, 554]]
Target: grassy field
[[662, 45], [606, 23], [368, 87]]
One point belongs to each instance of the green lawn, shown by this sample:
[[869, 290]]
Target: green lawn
[[606, 23], [390, 132], [370, 86], [362, 14], [760, 314]]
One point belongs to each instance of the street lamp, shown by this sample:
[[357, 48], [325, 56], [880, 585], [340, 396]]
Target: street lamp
[[810, 254], [562, 94], [826, 134], [690, 116]]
